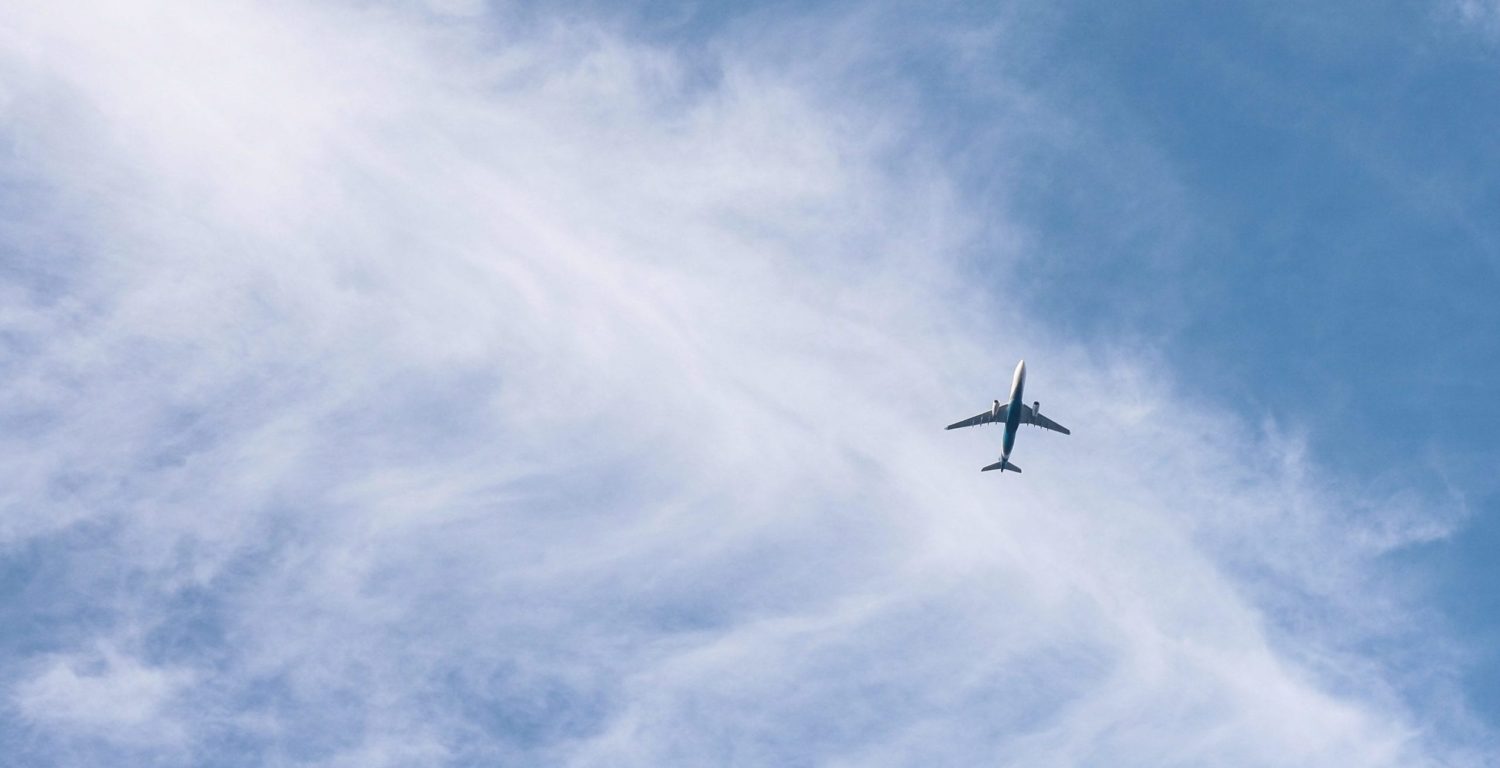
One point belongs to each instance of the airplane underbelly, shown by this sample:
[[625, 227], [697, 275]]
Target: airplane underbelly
[[1012, 421]]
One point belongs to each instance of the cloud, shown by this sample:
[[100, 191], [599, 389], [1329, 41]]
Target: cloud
[[104, 692], [433, 392], [1480, 13]]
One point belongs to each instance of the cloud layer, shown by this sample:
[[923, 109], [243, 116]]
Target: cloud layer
[[393, 386]]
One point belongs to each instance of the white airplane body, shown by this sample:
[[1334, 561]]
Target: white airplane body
[[1012, 415]]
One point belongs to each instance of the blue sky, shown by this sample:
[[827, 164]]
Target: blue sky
[[458, 383], [1289, 204], [1338, 164]]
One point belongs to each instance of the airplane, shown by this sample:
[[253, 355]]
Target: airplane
[[1012, 415]]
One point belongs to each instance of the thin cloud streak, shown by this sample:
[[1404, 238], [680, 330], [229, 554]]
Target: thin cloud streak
[[411, 393]]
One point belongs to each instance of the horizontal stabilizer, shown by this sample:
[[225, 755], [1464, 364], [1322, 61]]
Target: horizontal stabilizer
[[1002, 465]]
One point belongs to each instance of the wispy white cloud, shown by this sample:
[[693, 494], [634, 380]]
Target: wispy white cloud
[[1483, 14], [105, 693], [459, 395]]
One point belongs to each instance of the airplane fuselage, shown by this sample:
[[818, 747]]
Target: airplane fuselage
[[1013, 414]]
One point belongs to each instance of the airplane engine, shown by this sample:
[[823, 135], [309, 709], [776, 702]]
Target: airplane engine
[[995, 410], [1036, 407]]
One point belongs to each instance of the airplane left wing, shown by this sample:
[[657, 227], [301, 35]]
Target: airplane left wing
[[1030, 416], [983, 418]]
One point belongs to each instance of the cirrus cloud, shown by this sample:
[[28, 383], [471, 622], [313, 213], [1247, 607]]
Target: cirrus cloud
[[422, 393]]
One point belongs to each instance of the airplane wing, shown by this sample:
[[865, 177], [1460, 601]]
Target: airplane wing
[[1030, 416], [983, 418]]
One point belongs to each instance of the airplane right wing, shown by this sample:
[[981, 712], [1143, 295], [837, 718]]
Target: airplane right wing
[[1030, 416], [983, 418]]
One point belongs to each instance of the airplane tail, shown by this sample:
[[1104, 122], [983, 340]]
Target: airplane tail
[[1002, 465]]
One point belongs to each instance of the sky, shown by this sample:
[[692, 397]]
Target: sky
[[466, 383]]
